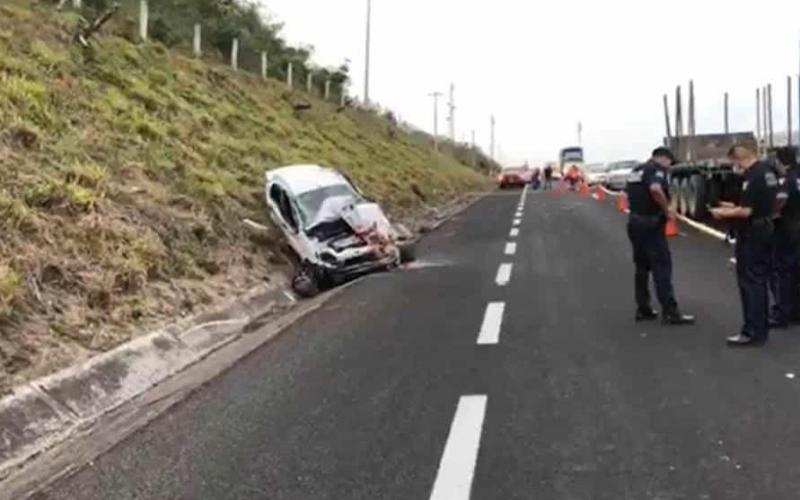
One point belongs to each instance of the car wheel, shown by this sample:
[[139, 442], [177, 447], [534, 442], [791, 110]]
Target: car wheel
[[699, 199], [408, 252], [310, 280], [675, 191]]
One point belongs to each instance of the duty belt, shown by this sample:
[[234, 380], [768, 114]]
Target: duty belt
[[646, 218]]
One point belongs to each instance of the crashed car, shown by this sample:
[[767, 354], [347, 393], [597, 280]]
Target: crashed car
[[335, 232]]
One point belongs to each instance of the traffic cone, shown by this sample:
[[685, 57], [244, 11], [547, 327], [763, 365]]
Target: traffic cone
[[599, 194], [622, 202], [671, 229]]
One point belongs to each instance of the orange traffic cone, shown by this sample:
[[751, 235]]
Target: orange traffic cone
[[622, 202], [671, 229], [599, 194]]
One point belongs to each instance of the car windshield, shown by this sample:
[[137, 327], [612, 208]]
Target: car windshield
[[309, 204]]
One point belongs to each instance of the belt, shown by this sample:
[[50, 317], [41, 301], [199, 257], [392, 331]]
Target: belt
[[646, 218]]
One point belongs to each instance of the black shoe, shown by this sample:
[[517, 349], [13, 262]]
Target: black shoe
[[646, 315], [742, 340], [675, 318], [775, 324]]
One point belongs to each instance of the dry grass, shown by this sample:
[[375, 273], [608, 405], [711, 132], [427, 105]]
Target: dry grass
[[127, 170]]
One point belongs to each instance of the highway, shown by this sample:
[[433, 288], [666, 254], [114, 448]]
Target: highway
[[504, 365]]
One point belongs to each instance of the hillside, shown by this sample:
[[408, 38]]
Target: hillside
[[127, 170]]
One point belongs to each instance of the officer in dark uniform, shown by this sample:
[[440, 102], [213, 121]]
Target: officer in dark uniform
[[648, 196], [786, 241], [754, 230]]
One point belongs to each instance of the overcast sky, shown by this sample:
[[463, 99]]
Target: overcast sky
[[541, 66]]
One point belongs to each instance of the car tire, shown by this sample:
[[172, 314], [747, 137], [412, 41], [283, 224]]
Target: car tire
[[408, 252], [310, 280], [675, 190], [699, 201]]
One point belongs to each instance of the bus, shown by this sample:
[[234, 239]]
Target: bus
[[570, 157]]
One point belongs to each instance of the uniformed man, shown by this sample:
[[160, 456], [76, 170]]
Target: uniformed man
[[786, 241], [754, 228], [648, 195]]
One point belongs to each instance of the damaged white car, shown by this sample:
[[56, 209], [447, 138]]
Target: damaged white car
[[335, 232]]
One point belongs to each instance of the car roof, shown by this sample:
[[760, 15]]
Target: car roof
[[301, 179]]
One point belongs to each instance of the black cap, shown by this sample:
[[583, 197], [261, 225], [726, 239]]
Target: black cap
[[664, 153]]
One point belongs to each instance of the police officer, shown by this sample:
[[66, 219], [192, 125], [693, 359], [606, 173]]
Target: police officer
[[754, 230], [648, 195], [786, 241]]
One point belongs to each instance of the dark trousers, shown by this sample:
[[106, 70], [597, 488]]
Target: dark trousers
[[783, 279], [652, 256], [753, 259]]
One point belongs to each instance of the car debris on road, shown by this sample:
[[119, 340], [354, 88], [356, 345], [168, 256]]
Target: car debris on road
[[333, 230]]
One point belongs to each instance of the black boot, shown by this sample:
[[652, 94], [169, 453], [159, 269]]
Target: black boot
[[646, 315], [674, 317]]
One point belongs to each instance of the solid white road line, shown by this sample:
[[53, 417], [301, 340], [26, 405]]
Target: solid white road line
[[457, 467], [492, 320], [511, 248], [504, 274], [514, 233]]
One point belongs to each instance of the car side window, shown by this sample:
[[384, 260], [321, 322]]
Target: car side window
[[281, 199]]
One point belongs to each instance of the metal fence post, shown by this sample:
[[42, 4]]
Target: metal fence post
[[197, 44], [309, 82], [327, 89], [290, 75], [264, 64], [235, 54], [144, 19]]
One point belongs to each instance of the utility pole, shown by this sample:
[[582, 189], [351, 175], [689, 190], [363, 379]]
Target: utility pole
[[492, 144], [367, 59], [771, 130], [452, 116], [759, 137], [789, 139], [727, 122], [474, 151], [679, 123], [764, 117], [667, 120], [692, 123], [436, 96]]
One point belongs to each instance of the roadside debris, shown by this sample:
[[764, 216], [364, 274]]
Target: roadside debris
[[334, 231]]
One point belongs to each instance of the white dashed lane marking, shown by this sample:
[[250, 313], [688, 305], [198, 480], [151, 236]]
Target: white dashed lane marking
[[511, 248], [492, 321], [514, 233], [504, 274], [457, 466]]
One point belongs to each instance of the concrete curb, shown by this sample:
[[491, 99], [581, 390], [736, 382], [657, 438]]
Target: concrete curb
[[45, 412]]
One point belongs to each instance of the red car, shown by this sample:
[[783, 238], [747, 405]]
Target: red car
[[513, 177]]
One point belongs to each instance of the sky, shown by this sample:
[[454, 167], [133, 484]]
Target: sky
[[542, 66]]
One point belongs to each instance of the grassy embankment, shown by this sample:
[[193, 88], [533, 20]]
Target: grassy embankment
[[126, 171]]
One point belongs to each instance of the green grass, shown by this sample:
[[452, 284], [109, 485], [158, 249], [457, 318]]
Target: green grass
[[126, 167]]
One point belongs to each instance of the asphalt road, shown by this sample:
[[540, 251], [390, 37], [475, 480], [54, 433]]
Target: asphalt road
[[459, 379]]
